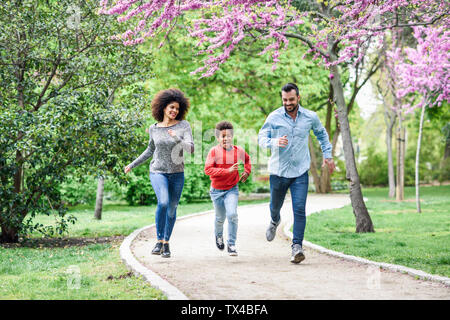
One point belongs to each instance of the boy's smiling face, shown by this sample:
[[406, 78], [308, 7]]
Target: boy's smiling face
[[225, 138]]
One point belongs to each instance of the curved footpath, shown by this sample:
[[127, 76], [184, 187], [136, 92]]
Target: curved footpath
[[198, 270]]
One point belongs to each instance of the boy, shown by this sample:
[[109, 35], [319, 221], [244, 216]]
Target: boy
[[222, 167]]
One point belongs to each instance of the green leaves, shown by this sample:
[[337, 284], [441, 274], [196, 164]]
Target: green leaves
[[58, 111]]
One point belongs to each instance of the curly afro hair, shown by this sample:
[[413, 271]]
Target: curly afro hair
[[165, 97], [223, 125]]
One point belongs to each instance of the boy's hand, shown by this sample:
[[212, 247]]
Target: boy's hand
[[127, 169], [234, 167], [243, 177]]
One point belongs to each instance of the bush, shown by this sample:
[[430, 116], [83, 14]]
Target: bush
[[84, 190], [373, 171], [78, 191]]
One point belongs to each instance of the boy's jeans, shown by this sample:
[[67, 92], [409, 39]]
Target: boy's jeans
[[168, 188], [225, 204], [299, 191]]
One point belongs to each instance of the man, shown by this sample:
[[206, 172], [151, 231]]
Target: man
[[285, 132]]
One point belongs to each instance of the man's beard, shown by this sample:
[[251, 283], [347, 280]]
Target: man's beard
[[293, 108]]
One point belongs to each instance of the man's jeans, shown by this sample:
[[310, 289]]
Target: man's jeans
[[225, 204], [299, 191], [168, 188]]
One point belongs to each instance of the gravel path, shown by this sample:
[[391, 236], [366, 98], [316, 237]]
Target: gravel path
[[262, 269]]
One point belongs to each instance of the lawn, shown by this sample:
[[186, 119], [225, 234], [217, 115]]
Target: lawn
[[402, 236], [45, 272]]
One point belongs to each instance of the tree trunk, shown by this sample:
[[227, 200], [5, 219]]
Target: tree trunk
[[447, 149], [313, 168], [99, 201], [419, 140], [363, 220], [325, 180], [391, 175], [9, 235], [400, 191], [390, 121]]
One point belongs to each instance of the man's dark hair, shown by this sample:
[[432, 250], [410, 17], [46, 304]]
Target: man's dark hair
[[223, 125], [290, 86], [164, 98]]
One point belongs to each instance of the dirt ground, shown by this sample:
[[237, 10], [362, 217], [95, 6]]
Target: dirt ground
[[262, 269]]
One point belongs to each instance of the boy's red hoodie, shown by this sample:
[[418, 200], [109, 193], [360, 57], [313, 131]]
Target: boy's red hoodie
[[218, 162]]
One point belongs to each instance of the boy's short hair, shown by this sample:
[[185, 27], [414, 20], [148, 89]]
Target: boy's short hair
[[223, 125]]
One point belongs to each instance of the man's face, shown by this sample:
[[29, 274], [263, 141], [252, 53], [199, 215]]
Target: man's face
[[290, 100]]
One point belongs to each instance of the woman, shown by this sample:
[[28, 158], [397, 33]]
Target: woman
[[169, 137]]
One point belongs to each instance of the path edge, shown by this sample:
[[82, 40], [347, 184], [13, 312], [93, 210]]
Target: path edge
[[387, 266], [172, 292]]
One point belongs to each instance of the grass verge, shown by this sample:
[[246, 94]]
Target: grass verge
[[402, 236], [82, 269]]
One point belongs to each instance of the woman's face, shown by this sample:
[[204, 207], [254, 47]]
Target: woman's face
[[171, 110]]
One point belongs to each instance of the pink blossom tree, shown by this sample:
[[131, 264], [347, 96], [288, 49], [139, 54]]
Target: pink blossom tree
[[335, 31], [423, 77]]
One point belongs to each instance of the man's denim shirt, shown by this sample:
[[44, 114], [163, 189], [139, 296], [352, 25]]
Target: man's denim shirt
[[294, 159]]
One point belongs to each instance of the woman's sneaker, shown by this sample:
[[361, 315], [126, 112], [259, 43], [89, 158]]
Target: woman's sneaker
[[297, 254], [165, 251], [219, 243], [158, 248], [232, 250]]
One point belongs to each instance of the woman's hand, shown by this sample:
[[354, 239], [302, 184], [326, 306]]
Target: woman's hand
[[127, 169], [243, 177], [172, 133]]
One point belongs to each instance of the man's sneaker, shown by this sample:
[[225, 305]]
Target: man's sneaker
[[158, 248], [219, 243], [297, 253], [165, 251], [232, 250], [272, 230]]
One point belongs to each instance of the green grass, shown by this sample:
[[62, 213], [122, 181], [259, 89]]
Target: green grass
[[41, 272], [402, 236]]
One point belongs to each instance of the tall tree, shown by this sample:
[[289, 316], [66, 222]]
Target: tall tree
[[424, 72], [336, 30], [57, 63]]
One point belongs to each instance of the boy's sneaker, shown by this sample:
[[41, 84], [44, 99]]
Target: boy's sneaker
[[219, 243], [297, 253], [232, 250], [165, 251], [158, 248], [272, 230]]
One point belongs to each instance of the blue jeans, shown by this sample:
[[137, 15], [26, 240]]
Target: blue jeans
[[168, 188], [225, 204], [299, 191]]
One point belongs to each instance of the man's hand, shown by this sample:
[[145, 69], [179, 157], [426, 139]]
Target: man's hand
[[244, 177], [330, 163], [127, 169], [234, 167], [283, 141]]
